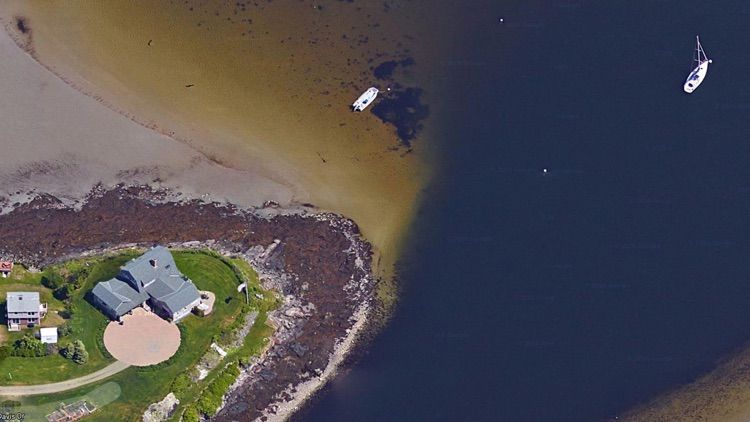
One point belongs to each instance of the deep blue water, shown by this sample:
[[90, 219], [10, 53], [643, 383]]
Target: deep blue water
[[623, 271]]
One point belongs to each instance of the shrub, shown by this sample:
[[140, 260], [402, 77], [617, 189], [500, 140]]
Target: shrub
[[70, 308], [64, 330], [181, 384], [68, 351], [80, 355], [64, 292], [52, 278], [190, 414], [28, 346], [212, 396], [208, 403]]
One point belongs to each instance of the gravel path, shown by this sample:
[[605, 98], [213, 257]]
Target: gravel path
[[32, 390]]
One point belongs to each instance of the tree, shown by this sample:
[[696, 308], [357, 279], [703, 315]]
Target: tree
[[80, 355], [68, 351], [64, 330], [52, 278], [28, 346]]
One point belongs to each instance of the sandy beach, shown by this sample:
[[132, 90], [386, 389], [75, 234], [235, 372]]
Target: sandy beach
[[722, 395], [60, 142]]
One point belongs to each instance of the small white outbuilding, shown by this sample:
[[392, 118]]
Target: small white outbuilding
[[48, 335]]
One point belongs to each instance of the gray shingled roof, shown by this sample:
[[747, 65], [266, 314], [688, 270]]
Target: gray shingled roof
[[118, 295], [175, 292], [22, 302], [142, 269], [140, 279]]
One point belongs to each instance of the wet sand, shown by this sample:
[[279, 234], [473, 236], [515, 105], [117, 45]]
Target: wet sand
[[60, 142], [260, 89]]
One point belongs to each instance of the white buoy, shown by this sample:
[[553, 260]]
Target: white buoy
[[545, 171]]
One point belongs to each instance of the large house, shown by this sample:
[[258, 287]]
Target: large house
[[153, 279], [23, 309]]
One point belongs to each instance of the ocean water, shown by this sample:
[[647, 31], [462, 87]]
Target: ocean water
[[621, 272]]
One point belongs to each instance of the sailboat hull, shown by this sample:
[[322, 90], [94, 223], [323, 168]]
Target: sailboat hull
[[696, 77]]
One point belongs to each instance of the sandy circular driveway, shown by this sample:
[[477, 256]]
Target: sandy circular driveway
[[144, 339]]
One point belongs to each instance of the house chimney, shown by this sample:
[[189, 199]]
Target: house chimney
[[153, 263]]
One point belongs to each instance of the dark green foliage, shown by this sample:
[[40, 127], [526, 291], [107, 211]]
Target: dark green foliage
[[28, 346], [80, 355], [68, 351], [64, 330], [211, 397], [63, 287], [190, 414], [64, 292], [5, 351], [181, 384], [52, 278], [75, 351], [70, 307]]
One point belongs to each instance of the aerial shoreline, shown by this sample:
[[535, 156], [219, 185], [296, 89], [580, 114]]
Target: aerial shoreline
[[318, 322], [288, 149]]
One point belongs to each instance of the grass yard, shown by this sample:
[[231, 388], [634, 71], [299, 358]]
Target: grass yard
[[85, 323]]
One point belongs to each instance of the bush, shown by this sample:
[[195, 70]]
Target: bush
[[80, 355], [212, 396], [64, 292], [68, 351], [70, 308], [64, 330], [190, 414], [75, 351], [52, 278], [208, 403], [28, 347], [181, 384]]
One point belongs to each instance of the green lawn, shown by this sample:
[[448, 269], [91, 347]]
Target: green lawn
[[143, 386], [85, 322]]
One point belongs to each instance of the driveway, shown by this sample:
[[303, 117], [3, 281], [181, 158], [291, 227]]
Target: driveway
[[32, 390]]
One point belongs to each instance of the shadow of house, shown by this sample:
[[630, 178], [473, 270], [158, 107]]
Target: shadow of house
[[152, 280]]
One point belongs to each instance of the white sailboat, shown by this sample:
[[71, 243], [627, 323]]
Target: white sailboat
[[701, 68], [365, 99]]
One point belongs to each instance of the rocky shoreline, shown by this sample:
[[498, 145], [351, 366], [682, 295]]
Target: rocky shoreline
[[318, 263]]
